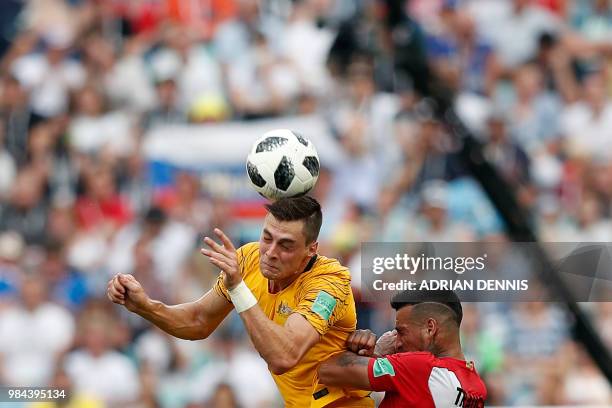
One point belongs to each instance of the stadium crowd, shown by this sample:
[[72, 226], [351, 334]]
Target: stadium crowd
[[82, 82]]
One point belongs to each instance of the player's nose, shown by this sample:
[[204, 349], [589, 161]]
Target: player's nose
[[270, 252]]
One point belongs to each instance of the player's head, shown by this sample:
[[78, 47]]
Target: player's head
[[289, 236], [427, 320]]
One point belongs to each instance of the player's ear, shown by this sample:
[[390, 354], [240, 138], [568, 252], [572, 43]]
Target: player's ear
[[431, 325], [312, 248]]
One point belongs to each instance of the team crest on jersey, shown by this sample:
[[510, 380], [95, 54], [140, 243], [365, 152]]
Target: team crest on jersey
[[324, 305], [469, 365], [284, 309], [383, 366]]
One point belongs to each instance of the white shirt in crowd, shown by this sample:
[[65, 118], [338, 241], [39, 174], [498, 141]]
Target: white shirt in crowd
[[90, 134], [514, 35], [587, 132], [49, 84], [30, 341], [245, 372], [169, 250], [111, 376]]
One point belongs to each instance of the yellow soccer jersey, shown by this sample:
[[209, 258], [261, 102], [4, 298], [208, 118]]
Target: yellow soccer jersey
[[322, 294]]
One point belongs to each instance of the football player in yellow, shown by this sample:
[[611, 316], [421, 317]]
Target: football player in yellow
[[296, 305]]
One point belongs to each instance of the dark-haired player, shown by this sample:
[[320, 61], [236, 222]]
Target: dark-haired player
[[420, 364], [297, 306]]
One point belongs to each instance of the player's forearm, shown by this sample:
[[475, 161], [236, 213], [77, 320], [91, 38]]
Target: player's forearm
[[182, 321], [346, 369], [274, 343]]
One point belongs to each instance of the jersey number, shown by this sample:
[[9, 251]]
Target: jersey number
[[467, 400]]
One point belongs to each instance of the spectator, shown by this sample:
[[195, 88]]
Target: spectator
[[510, 159], [586, 124], [187, 203], [17, 118], [533, 112], [532, 321], [584, 384], [236, 36], [557, 67], [95, 369], [515, 30], [306, 46], [93, 130], [461, 57], [50, 76], [224, 397], [11, 252], [72, 399], [126, 82], [101, 206], [66, 286], [8, 169], [260, 83], [433, 223], [167, 111], [156, 247], [34, 334], [26, 212], [184, 60]]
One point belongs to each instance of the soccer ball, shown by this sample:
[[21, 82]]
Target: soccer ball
[[282, 163]]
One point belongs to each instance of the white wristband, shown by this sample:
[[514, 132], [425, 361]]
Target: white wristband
[[242, 297]]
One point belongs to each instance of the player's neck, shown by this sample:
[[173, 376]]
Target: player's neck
[[452, 351], [275, 286]]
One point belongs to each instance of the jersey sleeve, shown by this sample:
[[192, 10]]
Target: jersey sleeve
[[243, 253], [324, 298], [403, 370]]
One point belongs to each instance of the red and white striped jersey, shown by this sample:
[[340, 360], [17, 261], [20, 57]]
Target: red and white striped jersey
[[424, 381]]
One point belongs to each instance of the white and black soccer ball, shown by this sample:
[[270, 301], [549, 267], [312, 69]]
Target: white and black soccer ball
[[282, 163]]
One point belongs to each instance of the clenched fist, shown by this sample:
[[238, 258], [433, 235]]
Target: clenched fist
[[126, 290], [362, 342], [386, 344]]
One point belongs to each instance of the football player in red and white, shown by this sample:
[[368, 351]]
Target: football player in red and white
[[419, 364]]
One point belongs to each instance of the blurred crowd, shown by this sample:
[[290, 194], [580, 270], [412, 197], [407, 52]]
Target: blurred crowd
[[82, 82]]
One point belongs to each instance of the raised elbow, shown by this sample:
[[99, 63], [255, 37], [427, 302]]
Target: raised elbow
[[202, 334], [282, 365], [193, 335]]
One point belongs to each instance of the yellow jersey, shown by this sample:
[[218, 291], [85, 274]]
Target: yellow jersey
[[322, 294], [79, 400]]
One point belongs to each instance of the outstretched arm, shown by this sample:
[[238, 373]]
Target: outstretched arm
[[346, 369], [190, 321]]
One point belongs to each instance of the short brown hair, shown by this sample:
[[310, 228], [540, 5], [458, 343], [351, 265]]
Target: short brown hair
[[303, 208]]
